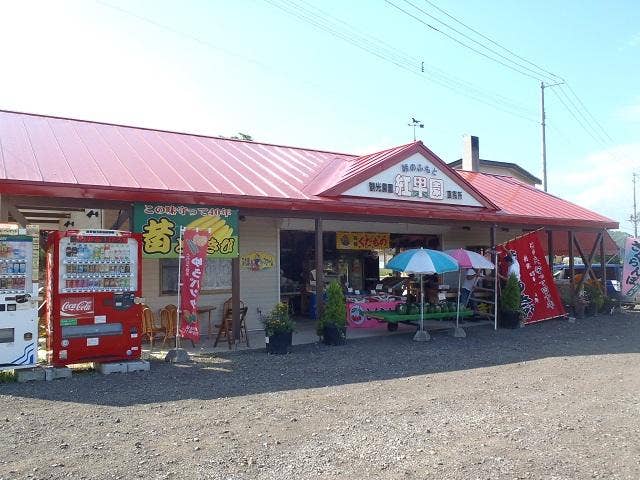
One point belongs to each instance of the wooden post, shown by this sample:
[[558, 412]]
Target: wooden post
[[235, 298], [550, 248], [494, 259], [571, 268], [587, 260], [319, 269], [603, 263], [4, 209]]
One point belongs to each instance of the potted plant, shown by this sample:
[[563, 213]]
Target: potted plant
[[580, 304], [609, 306], [596, 298], [510, 300], [278, 329], [332, 325]]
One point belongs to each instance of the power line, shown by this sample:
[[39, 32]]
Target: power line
[[464, 35], [596, 135], [552, 75], [588, 112], [566, 106], [462, 43], [400, 60], [575, 106]]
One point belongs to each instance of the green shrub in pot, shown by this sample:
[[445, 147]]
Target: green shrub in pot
[[278, 329], [510, 300], [332, 324]]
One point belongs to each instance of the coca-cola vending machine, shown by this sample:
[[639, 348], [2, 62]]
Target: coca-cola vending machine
[[93, 288]]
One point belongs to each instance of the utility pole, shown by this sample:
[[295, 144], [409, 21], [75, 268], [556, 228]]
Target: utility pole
[[544, 133], [634, 217]]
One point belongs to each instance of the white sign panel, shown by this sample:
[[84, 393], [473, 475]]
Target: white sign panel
[[414, 179]]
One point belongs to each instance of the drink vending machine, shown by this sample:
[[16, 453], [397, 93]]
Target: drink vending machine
[[93, 288], [18, 303]]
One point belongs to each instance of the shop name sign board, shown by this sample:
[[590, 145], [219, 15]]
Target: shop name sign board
[[361, 241], [415, 179], [160, 227]]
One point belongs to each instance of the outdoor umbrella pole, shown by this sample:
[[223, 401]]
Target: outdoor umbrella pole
[[421, 304], [458, 309]]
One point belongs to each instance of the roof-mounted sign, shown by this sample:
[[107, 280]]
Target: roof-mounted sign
[[415, 179]]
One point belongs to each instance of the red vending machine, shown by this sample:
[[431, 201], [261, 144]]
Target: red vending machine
[[93, 289]]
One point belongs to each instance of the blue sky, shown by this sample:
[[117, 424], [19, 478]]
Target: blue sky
[[219, 67]]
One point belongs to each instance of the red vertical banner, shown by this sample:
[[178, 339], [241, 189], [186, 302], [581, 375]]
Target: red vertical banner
[[192, 268], [540, 296]]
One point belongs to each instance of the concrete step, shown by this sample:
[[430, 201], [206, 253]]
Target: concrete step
[[123, 367], [30, 375], [55, 373]]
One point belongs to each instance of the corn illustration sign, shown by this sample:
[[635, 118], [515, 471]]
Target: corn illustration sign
[[160, 227]]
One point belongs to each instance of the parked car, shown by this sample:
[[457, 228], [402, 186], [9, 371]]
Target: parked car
[[613, 272]]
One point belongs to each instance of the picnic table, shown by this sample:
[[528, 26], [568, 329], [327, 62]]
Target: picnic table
[[393, 319]]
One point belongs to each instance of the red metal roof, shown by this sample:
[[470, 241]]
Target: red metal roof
[[514, 197], [51, 156], [360, 169]]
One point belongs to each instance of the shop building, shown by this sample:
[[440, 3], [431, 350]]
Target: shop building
[[294, 206]]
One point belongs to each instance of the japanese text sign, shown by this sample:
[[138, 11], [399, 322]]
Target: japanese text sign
[[416, 179], [160, 227], [540, 297], [361, 241], [192, 270], [631, 268], [256, 261]]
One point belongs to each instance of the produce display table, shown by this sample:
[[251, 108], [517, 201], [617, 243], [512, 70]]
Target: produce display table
[[393, 319], [358, 313]]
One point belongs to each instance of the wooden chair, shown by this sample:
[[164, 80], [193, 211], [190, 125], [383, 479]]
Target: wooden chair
[[225, 327], [150, 327], [168, 320]]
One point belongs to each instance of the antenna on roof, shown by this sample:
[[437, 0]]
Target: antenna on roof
[[415, 123]]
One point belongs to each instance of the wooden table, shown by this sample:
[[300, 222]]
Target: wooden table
[[207, 309]]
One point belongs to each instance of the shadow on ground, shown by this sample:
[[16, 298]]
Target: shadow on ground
[[370, 359]]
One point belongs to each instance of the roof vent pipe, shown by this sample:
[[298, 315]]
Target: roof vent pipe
[[470, 153]]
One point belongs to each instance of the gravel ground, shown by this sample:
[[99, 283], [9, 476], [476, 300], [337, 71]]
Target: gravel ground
[[557, 400]]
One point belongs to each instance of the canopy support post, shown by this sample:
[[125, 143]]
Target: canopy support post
[[572, 270], [319, 269], [603, 263], [494, 259], [235, 299]]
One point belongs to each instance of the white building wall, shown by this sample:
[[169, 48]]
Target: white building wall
[[257, 289]]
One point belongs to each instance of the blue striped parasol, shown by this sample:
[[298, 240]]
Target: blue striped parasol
[[422, 261]]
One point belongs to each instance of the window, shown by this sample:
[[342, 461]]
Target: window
[[217, 276]]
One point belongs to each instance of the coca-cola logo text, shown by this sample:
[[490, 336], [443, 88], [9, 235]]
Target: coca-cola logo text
[[76, 306]]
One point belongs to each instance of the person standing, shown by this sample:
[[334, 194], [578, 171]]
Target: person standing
[[470, 280], [513, 267]]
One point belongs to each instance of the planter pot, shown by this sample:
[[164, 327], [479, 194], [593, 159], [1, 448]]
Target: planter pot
[[280, 343], [509, 319], [332, 335], [591, 310]]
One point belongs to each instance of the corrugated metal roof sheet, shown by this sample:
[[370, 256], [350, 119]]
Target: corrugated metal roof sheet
[[54, 150], [514, 197], [43, 155]]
